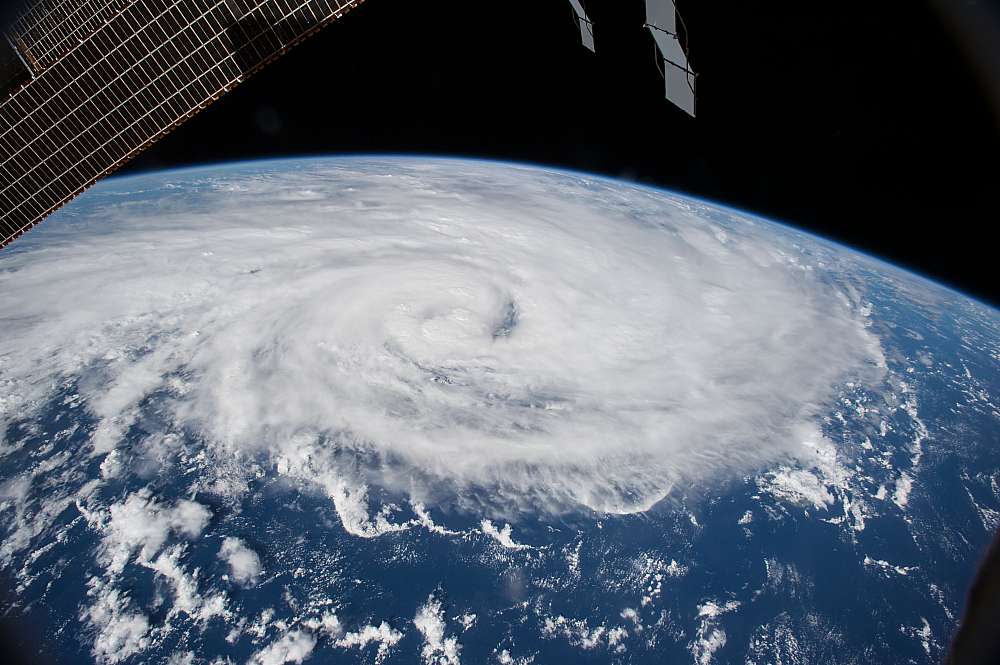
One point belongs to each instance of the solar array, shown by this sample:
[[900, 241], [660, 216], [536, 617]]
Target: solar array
[[586, 25], [104, 79], [667, 28], [48, 29], [662, 20], [86, 85]]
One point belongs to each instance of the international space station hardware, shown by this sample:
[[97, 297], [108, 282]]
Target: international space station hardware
[[661, 20], [586, 26], [86, 85]]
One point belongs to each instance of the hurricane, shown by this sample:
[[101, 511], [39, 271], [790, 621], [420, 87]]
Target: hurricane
[[425, 332], [407, 409]]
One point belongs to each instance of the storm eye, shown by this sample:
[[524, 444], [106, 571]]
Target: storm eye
[[508, 323]]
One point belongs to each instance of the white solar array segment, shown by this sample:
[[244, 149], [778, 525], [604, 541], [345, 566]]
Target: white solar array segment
[[680, 87], [110, 77], [586, 27], [679, 79], [662, 14], [669, 46]]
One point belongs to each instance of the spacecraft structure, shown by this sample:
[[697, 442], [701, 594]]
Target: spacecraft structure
[[86, 85], [663, 21]]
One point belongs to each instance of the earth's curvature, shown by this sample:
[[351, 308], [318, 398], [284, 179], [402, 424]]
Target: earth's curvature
[[439, 411]]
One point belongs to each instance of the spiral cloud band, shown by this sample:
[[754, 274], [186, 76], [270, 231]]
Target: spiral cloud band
[[449, 331]]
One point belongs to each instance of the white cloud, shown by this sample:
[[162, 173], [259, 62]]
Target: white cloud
[[901, 495], [141, 523], [504, 657], [579, 633], [120, 633], [886, 566], [468, 620], [189, 518], [711, 636], [293, 647], [820, 480], [799, 486], [502, 536], [329, 623], [561, 340], [383, 634], [181, 658], [437, 649], [424, 519], [187, 599], [244, 564]]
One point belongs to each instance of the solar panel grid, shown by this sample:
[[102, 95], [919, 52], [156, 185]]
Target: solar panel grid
[[146, 70], [85, 113], [173, 81], [82, 123], [51, 28]]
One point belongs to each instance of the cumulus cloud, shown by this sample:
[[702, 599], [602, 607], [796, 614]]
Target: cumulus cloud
[[437, 649], [504, 657], [384, 635], [142, 523], [502, 536], [710, 636], [244, 564], [295, 646], [555, 340], [181, 658], [187, 599], [119, 631], [579, 634], [138, 529]]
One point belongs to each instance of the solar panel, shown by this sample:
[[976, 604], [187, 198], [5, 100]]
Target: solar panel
[[85, 85], [679, 78], [587, 34], [14, 70], [669, 47], [586, 26], [47, 29], [87, 103], [662, 14], [680, 86]]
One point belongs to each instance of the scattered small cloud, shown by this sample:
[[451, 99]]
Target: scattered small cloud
[[244, 563], [293, 647], [437, 649]]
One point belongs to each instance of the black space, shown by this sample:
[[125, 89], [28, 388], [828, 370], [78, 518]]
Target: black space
[[865, 123]]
